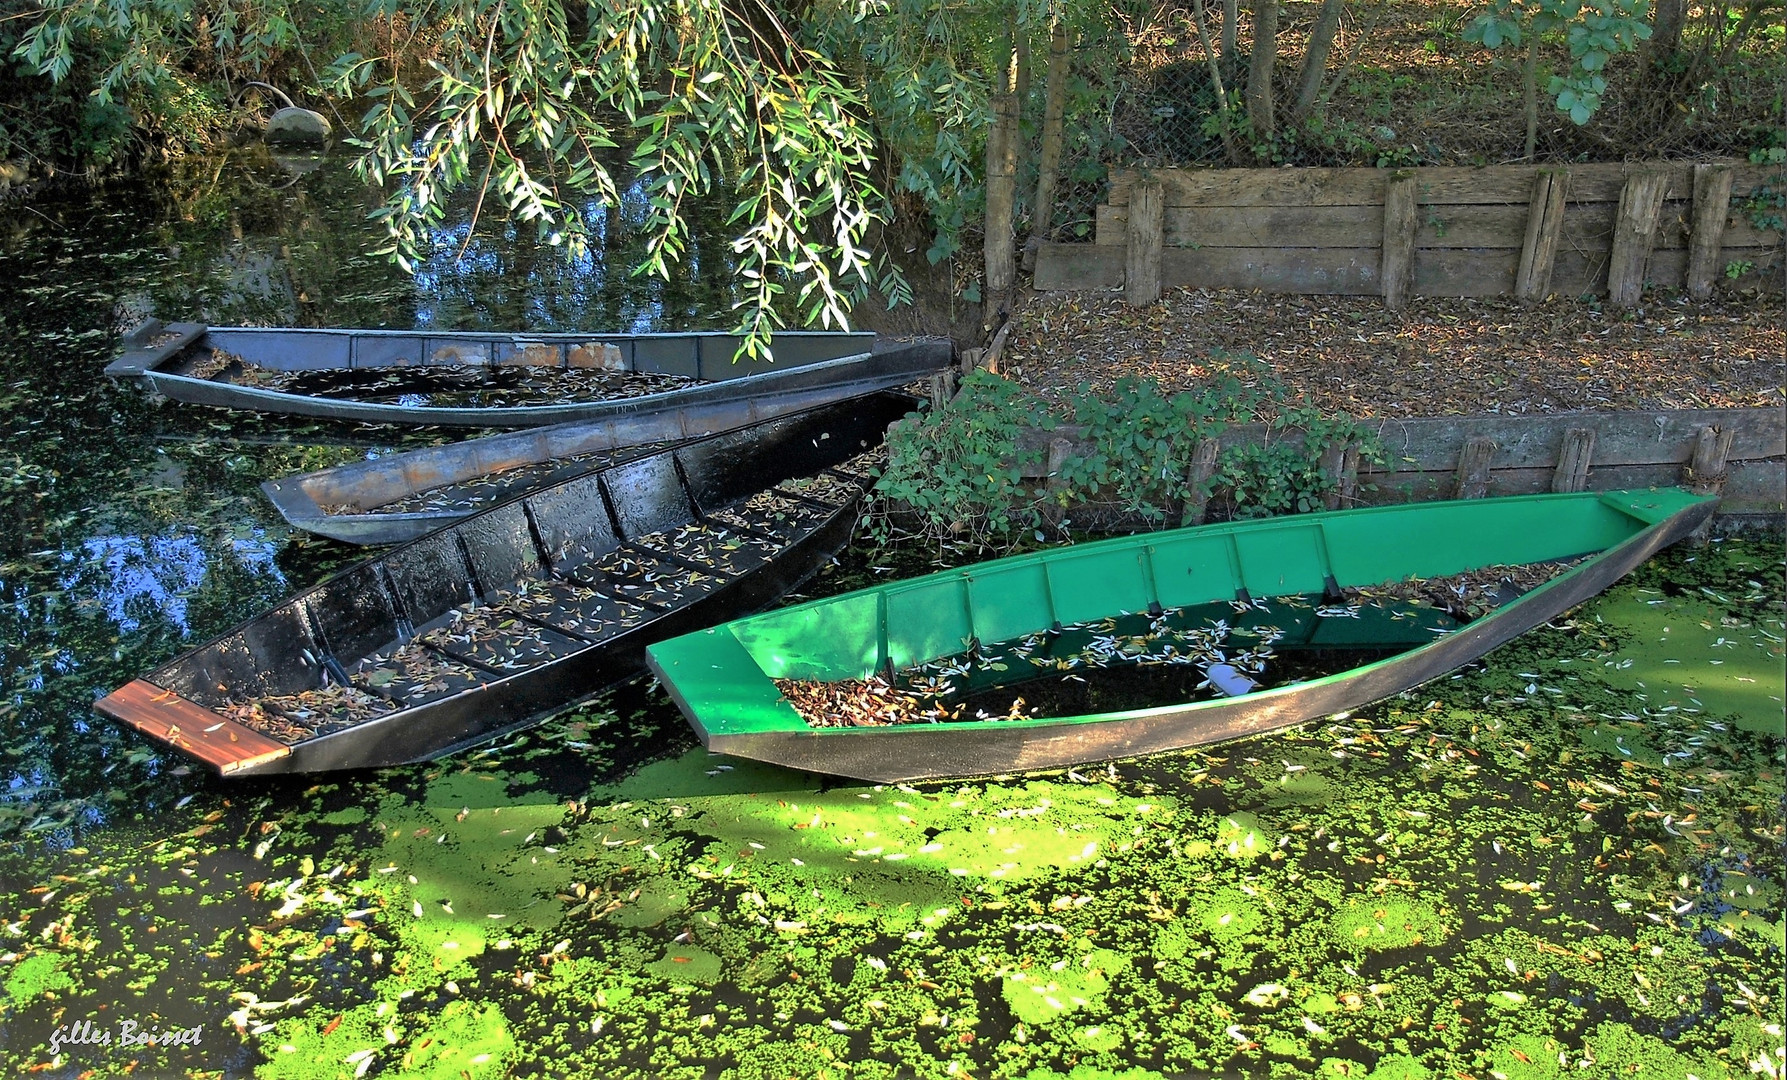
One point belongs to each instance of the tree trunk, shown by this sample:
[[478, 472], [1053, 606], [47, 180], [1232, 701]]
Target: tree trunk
[[1231, 30], [1042, 215], [1259, 71], [1315, 56], [1002, 153], [1222, 96]]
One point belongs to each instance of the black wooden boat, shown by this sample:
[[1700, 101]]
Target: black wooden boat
[[484, 379], [398, 497], [490, 624]]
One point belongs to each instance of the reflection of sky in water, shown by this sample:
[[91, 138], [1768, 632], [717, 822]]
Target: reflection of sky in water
[[160, 572], [462, 265]]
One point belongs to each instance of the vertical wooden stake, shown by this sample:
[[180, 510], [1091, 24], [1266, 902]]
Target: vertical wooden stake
[[1340, 464], [1712, 205], [1544, 225], [1473, 467], [1059, 451], [1197, 482], [943, 388], [1397, 273], [1705, 474], [1147, 223], [1573, 460], [1634, 233]]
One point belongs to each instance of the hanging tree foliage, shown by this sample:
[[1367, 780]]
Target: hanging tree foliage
[[548, 110]]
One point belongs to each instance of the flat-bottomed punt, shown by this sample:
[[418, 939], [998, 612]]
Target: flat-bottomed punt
[[399, 497], [517, 611], [724, 679], [493, 379]]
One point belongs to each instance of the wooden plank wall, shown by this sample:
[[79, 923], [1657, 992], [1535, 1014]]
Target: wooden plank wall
[[1321, 231], [1549, 452]]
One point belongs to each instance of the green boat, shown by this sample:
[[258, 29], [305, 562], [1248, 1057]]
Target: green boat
[[967, 621]]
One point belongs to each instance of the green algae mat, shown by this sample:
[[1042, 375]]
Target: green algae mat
[[1564, 860]]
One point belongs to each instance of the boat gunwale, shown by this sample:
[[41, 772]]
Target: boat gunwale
[[1650, 535], [292, 496]]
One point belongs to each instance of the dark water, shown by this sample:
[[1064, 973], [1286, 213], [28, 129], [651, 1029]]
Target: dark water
[[1573, 848], [129, 527]]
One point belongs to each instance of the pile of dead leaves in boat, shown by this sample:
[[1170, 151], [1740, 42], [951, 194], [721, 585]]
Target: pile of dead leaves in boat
[[292, 718], [447, 385], [1469, 595], [871, 702]]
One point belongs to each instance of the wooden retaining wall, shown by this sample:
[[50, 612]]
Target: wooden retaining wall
[[1527, 230], [1739, 453]]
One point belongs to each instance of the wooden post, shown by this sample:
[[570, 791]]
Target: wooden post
[[1059, 450], [1147, 227], [1544, 225], [1397, 273], [1634, 233], [1705, 472], [943, 388], [1197, 482], [1712, 205], [1340, 465], [1473, 467], [1573, 459]]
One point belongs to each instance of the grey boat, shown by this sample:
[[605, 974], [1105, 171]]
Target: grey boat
[[492, 379]]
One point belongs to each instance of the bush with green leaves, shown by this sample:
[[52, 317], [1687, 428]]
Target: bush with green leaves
[[966, 471]]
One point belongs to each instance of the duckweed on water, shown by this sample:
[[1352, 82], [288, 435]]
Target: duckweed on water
[[1475, 878]]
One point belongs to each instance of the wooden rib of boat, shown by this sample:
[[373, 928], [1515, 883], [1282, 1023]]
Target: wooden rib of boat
[[488, 379], [723, 678], [492, 623], [398, 497]]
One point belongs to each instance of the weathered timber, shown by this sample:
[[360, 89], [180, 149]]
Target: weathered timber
[[1712, 206], [1544, 227], [1707, 469], [1634, 233], [1573, 460], [1397, 276], [1142, 255], [1197, 482], [1059, 451], [1583, 224], [1510, 185], [1340, 464], [1472, 480]]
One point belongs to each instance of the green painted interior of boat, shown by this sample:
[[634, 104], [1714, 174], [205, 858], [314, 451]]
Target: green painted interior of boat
[[723, 677]]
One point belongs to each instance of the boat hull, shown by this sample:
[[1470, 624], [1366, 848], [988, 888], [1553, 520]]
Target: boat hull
[[590, 539], [370, 484], [927, 751], [154, 353]]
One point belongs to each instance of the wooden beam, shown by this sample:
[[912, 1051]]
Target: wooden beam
[[1544, 227], [1573, 460], [1197, 482], [1634, 234], [1397, 272], [1712, 206], [1706, 470], [1141, 264], [1340, 464], [1472, 481]]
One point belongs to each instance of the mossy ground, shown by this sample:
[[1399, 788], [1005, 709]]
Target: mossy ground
[[1552, 863]]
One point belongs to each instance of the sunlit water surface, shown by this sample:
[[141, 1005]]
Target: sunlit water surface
[[1565, 860]]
